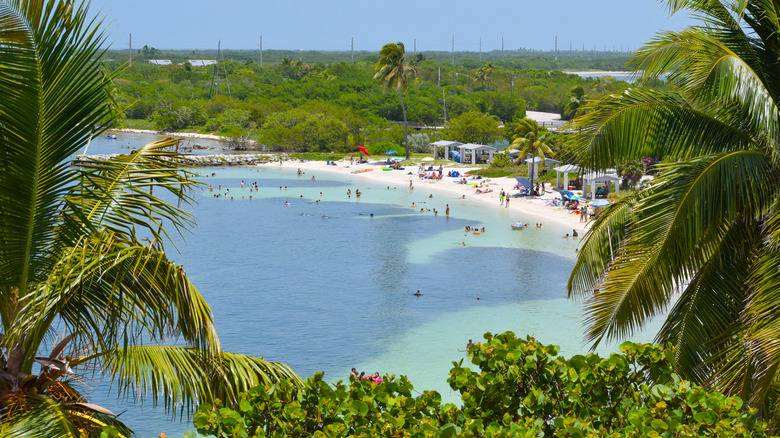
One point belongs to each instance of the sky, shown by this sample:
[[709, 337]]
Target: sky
[[329, 24]]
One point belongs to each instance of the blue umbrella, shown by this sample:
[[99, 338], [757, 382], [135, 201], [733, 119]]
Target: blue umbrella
[[524, 182], [600, 203], [567, 193], [391, 152]]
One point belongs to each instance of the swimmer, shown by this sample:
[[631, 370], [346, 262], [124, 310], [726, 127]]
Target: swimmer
[[417, 294], [574, 233], [325, 217], [286, 203], [372, 214], [483, 229], [462, 243], [566, 236], [301, 196], [430, 196]]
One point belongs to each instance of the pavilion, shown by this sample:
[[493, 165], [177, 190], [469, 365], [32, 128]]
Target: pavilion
[[446, 144], [594, 178], [475, 150], [534, 163], [566, 169]]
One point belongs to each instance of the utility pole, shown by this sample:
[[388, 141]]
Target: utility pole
[[352, 50], [444, 99], [480, 49], [215, 79], [130, 50], [556, 47], [570, 44], [453, 49], [439, 76], [261, 51]]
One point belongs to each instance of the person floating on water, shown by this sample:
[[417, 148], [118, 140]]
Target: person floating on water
[[417, 294], [574, 233]]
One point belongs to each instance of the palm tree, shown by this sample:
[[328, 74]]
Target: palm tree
[[531, 139], [703, 240], [577, 100], [395, 74], [484, 73], [85, 284]]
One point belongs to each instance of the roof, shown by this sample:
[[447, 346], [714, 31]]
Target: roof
[[202, 62], [539, 160], [601, 177], [476, 147], [567, 168], [160, 61], [445, 143]]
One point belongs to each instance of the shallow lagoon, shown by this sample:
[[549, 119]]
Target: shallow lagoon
[[330, 294]]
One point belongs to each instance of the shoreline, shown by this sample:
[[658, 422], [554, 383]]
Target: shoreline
[[535, 207]]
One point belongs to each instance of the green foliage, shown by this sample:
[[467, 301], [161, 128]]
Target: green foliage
[[501, 160], [632, 172], [473, 127], [520, 388], [303, 131], [419, 142], [700, 244], [384, 146], [174, 115]]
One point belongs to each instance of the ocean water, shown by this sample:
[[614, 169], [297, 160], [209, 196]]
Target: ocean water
[[326, 286]]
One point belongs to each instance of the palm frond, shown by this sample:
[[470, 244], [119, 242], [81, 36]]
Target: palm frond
[[123, 194], [183, 378], [700, 323], [647, 123], [51, 107], [109, 291], [674, 235]]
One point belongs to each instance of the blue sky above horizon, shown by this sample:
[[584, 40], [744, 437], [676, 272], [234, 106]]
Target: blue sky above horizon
[[320, 25]]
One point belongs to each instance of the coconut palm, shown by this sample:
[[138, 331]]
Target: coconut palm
[[395, 74], [701, 244], [577, 99], [484, 73], [531, 139], [86, 288]]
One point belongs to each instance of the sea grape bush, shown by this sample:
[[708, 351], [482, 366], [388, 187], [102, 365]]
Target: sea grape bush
[[519, 388]]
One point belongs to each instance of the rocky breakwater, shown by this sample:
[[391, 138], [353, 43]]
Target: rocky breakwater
[[198, 160]]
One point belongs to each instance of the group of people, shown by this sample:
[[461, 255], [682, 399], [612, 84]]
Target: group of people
[[372, 377], [474, 230], [574, 233]]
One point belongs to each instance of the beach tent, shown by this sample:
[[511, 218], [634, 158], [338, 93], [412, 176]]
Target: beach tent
[[566, 169], [446, 144], [455, 154]]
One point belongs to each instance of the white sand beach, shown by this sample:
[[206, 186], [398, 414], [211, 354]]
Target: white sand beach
[[536, 207]]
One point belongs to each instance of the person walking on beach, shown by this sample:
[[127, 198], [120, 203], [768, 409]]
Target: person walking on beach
[[506, 205], [448, 210], [501, 197], [410, 185]]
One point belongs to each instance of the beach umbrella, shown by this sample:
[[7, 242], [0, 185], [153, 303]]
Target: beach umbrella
[[600, 203], [391, 152], [567, 193], [363, 149], [525, 182]]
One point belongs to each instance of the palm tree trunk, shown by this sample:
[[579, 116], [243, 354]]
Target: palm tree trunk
[[533, 171], [406, 135]]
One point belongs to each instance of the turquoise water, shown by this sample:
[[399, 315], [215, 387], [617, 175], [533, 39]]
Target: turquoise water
[[331, 294]]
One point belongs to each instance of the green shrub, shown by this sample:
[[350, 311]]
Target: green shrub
[[383, 146], [519, 388], [501, 160]]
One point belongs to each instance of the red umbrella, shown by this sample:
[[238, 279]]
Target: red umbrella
[[362, 149]]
